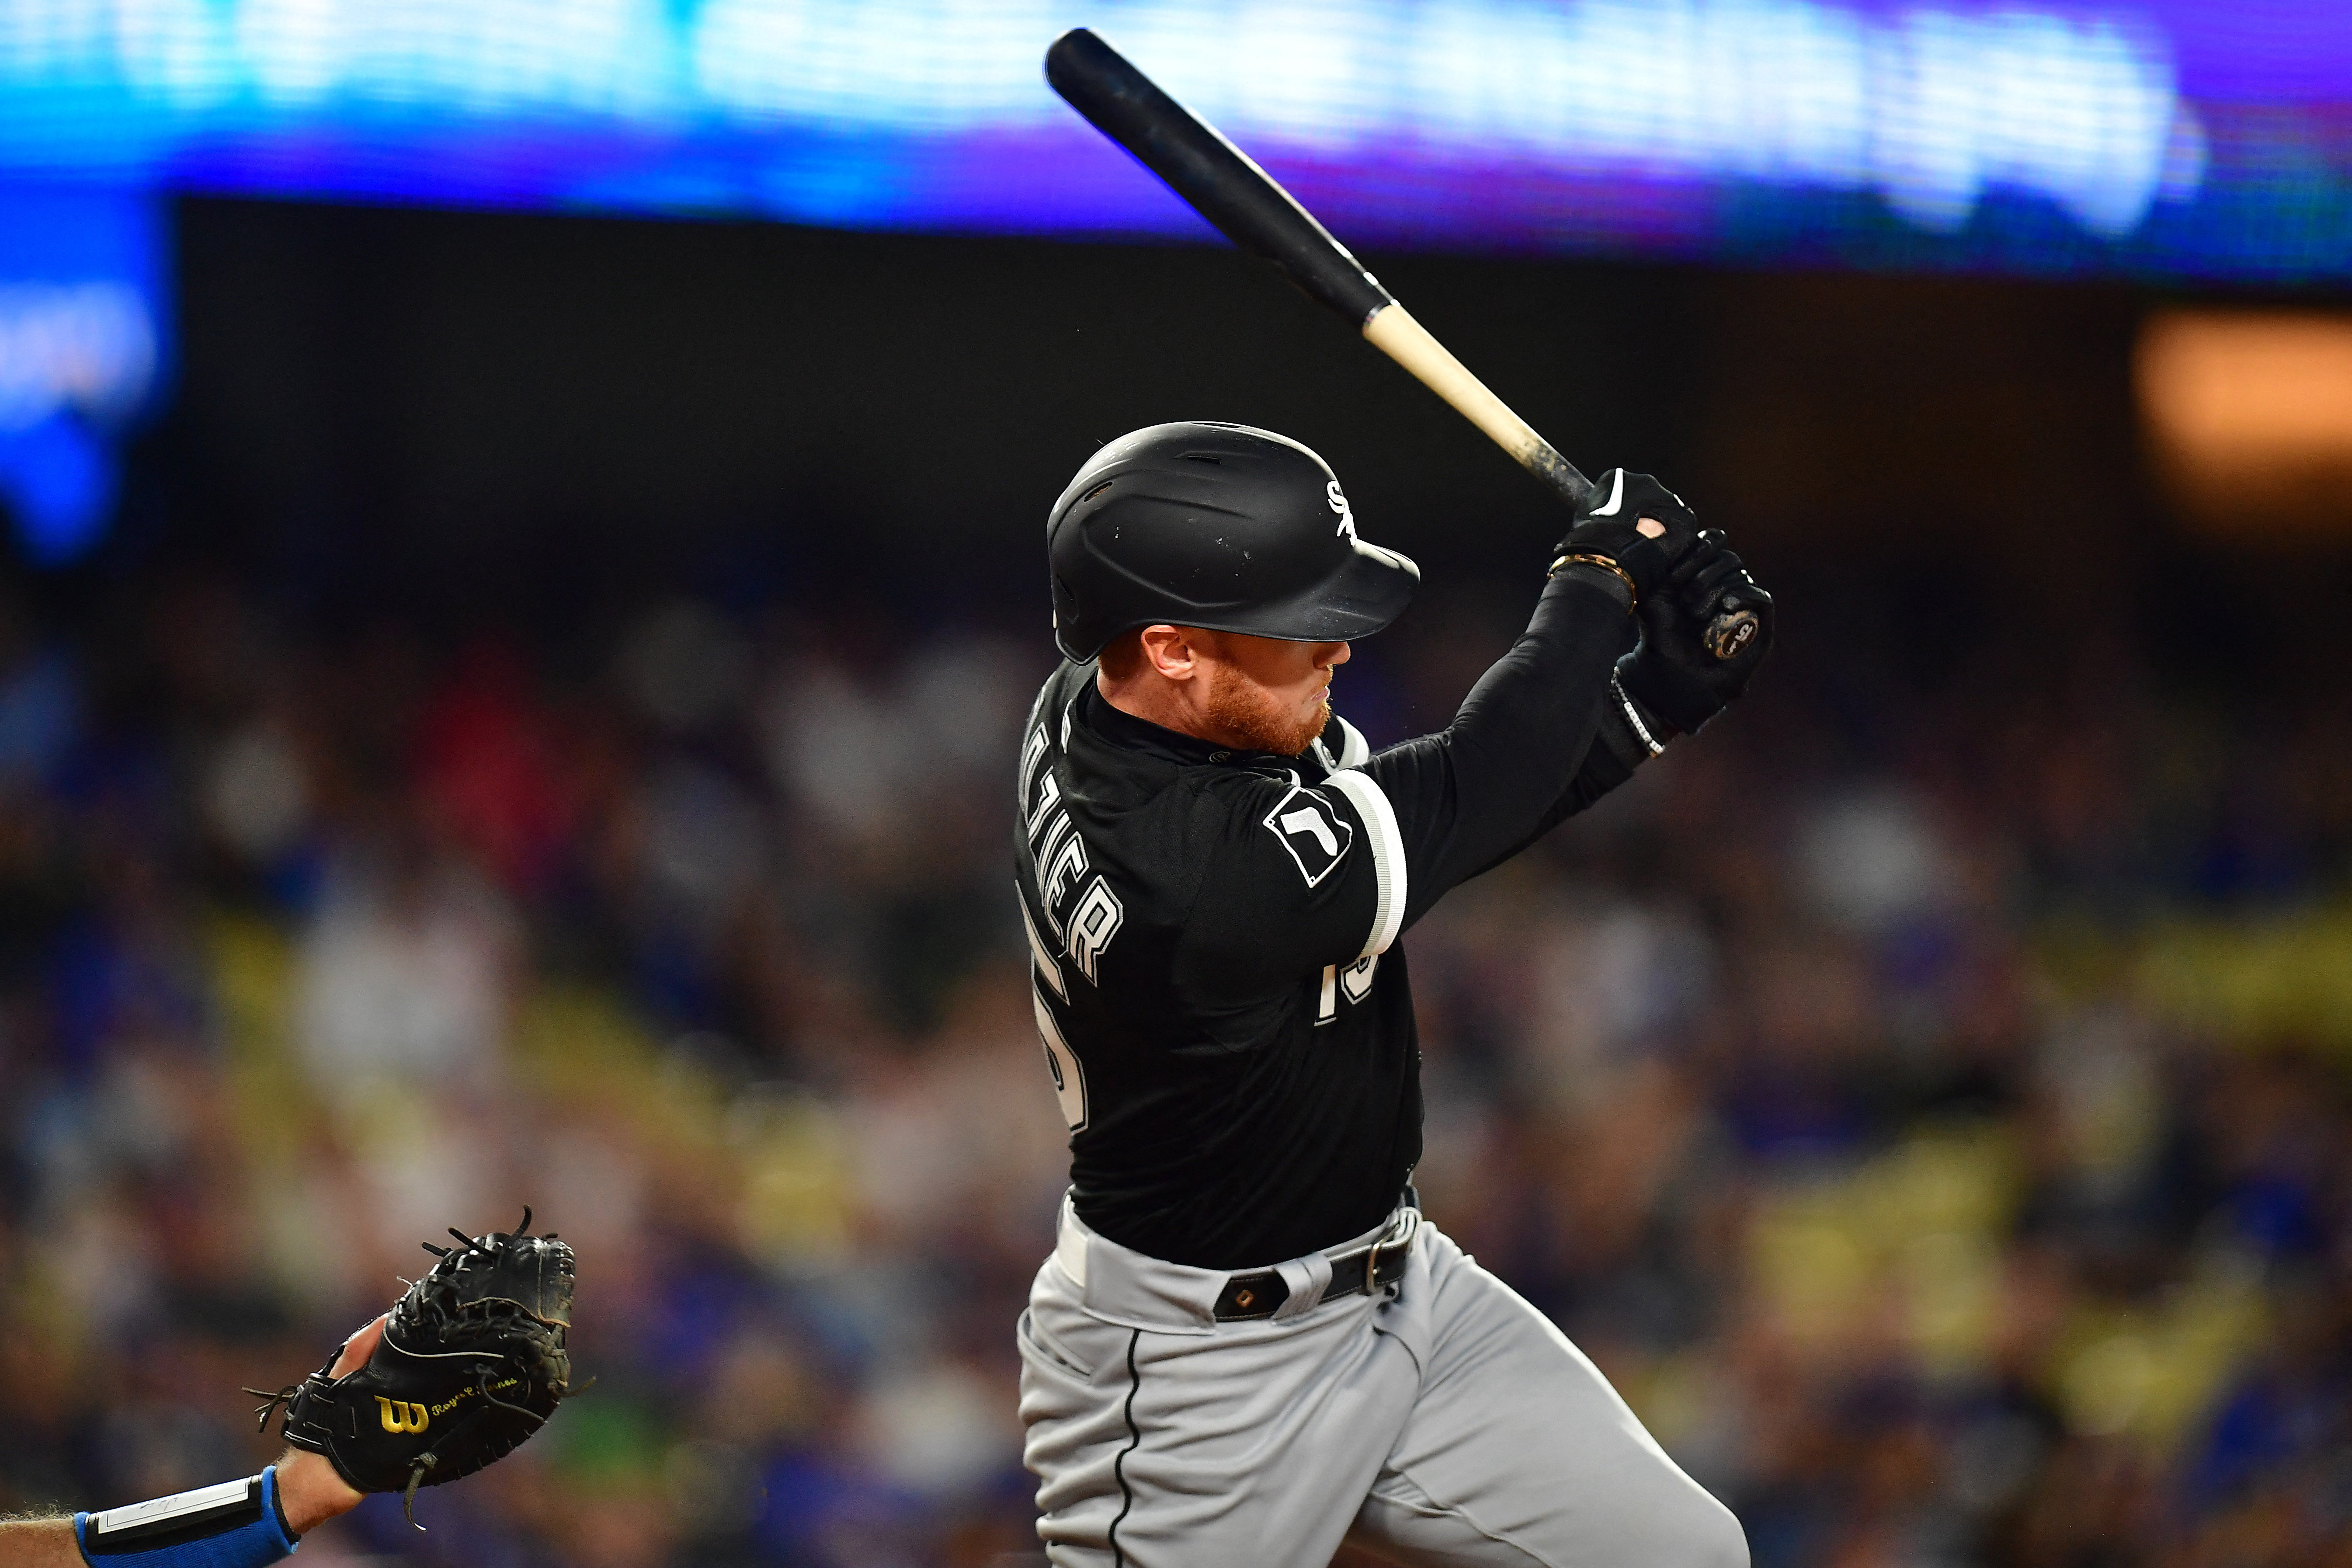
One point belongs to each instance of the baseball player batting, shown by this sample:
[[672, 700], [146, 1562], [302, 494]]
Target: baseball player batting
[[1248, 1345]]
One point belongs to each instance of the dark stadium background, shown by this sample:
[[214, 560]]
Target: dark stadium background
[[538, 734]]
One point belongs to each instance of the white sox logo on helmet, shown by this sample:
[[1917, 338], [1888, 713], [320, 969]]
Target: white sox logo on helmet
[[1339, 504]]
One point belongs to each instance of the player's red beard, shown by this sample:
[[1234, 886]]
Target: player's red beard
[[1264, 719]]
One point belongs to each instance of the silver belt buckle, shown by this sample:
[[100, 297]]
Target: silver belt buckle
[[1372, 1254]]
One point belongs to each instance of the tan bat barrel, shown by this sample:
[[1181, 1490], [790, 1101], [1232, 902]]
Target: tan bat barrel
[[1393, 331]]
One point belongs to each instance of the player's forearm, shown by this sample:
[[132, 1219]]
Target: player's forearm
[[304, 1491], [38, 1544], [1622, 743], [1473, 793]]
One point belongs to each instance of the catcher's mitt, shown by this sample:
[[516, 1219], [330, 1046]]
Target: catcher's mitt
[[472, 1361]]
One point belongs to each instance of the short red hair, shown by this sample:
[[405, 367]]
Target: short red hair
[[1122, 657]]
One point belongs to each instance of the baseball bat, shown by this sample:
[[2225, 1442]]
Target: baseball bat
[[1225, 187]]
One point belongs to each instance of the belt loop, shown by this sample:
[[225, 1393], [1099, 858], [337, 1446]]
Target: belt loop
[[1398, 1238], [1308, 1277], [1070, 1248], [1409, 1232]]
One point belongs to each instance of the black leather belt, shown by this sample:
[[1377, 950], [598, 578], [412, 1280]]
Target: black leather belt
[[1368, 1268]]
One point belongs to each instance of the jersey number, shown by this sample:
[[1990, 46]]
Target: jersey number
[[1062, 1064], [1354, 979]]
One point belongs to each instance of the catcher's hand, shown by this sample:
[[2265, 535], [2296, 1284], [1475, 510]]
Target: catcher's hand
[[472, 1361]]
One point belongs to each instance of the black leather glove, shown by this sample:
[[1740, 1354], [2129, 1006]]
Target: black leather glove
[[1675, 674], [1606, 526], [472, 1362]]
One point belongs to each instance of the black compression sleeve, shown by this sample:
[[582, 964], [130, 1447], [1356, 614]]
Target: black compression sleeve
[[1507, 767], [1616, 751]]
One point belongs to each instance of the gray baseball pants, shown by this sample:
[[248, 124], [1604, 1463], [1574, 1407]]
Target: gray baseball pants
[[1448, 1422]]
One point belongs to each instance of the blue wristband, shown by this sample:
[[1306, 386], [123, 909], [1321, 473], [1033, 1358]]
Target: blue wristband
[[237, 1524]]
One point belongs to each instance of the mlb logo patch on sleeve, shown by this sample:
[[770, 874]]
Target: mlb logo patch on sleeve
[[1318, 837]]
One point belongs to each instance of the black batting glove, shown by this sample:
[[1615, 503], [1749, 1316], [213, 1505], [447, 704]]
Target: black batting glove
[[1676, 673], [1606, 527]]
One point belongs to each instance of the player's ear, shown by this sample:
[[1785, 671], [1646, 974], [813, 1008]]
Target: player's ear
[[1173, 651]]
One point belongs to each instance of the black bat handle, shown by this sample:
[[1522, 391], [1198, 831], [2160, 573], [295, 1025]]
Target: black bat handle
[[1214, 176], [1221, 182]]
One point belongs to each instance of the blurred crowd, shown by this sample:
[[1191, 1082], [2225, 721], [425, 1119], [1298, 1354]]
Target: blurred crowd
[[1928, 1108]]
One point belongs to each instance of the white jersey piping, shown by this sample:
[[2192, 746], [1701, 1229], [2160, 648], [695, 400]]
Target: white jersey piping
[[1372, 803]]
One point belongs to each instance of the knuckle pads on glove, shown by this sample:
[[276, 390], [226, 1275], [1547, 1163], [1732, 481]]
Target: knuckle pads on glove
[[1724, 571], [1618, 539], [1646, 562], [1630, 497], [1644, 493], [1703, 553], [1645, 497]]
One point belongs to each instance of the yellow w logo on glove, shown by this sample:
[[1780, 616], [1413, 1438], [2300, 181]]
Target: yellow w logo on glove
[[402, 1414]]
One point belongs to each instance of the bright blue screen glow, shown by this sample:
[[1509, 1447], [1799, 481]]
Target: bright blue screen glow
[[82, 337], [2183, 137], [58, 477]]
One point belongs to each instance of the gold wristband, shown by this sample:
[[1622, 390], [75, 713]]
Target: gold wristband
[[1632, 595]]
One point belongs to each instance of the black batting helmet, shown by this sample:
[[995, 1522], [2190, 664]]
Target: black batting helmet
[[1206, 524]]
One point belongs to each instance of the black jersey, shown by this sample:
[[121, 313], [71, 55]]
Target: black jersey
[[1221, 1000]]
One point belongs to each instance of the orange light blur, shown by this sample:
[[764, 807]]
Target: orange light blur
[[2249, 416]]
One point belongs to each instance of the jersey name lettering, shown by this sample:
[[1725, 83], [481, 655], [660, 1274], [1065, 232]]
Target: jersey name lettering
[[1093, 924], [1047, 969], [1046, 797], [1092, 917], [1031, 755], [1062, 871]]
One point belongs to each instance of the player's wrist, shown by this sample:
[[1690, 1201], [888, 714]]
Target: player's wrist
[[1645, 732], [310, 1491], [234, 1524], [1607, 580], [1679, 698], [1627, 593], [1619, 547]]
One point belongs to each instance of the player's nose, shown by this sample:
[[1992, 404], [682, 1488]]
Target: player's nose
[[1331, 655]]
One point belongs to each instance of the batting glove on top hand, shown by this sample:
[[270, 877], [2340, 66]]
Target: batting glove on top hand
[[471, 1363], [1608, 526], [1675, 673]]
